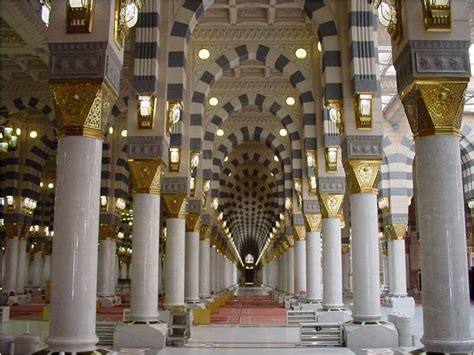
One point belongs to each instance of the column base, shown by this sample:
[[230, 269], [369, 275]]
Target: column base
[[448, 345], [348, 293], [109, 301], [405, 305], [71, 345], [139, 335], [311, 306], [334, 315], [94, 352], [370, 335]]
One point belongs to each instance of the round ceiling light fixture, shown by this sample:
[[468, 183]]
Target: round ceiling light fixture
[[283, 132], [204, 54], [213, 101], [290, 101], [33, 134], [220, 132], [301, 53]]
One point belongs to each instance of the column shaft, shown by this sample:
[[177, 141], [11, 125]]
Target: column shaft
[[365, 257], [47, 267], [300, 267], [332, 263], [398, 269], [346, 270], [204, 268], [21, 269], [291, 270], [192, 267], [106, 271], [37, 269], [74, 257], [11, 265], [175, 249]]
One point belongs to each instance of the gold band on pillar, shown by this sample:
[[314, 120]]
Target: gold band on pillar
[[435, 106], [299, 232], [395, 231], [313, 221], [204, 232], [331, 205], [82, 107], [345, 248], [13, 230], [108, 232], [175, 205], [146, 176], [362, 175], [193, 221]]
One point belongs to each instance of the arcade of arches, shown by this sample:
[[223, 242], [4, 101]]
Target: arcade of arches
[[172, 156]]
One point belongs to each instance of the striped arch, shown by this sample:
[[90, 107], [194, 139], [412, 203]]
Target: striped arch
[[12, 107], [119, 108], [467, 161], [265, 103], [187, 17], [245, 134], [10, 174], [106, 169], [122, 175], [271, 57]]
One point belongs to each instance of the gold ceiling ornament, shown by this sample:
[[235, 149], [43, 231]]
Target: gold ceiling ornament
[[82, 107], [313, 221], [392, 14], [437, 15], [345, 248], [173, 114], [204, 232], [193, 221], [434, 106], [126, 16], [335, 113], [146, 176], [299, 232], [175, 205], [13, 230], [298, 184], [362, 176], [396, 231], [108, 232], [331, 205]]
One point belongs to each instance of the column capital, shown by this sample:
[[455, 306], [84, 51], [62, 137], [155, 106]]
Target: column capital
[[82, 106], [175, 205], [395, 231], [146, 176], [345, 248], [204, 232], [434, 106], [193, 221], [108, 232], [331, 205], [13, 230], [362, 175], [290, 240], [313, 221], [299, 232]]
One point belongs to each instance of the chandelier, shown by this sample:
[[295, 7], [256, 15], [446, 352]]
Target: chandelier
[[8, 139]]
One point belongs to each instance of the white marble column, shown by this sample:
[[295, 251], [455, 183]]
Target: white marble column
[[440, 206], [123, 270], [74, 256], [313, 266], [38, 269], [332, 263], [285, 271], [21, 268], [300, 267], [116, 269], [106, 270], [175, 251], [397, 268], [346, 269], [47, 267], [291, 270], [2, 261], [145, 257], [204, 268], [212, 271], [365, 257], [11, 264], [192, 267]]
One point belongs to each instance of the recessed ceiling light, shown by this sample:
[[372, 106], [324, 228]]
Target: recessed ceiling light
[[18, 131], [226, 158], [320, 46], [111, 130], [301, 53], [50, 185], [220, 132], [213, 101], [204, 54], [290, 101], [33, 134], [124, 133], [276, 158], [283, 132]]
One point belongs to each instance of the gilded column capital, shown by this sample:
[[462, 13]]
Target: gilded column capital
[[82, 107], [204, 232], [331, 205], [345, 248], [13, 230], [146, 176], [108, 232], [434, 106], [313, 221], [175, 205], [299, 232], [290, 240], [193, 221], [396, 231], [362, 175]]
